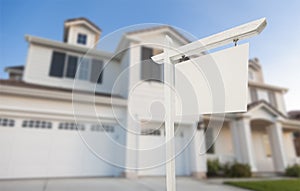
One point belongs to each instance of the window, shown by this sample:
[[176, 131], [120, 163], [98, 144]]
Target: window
[[150, 71], [250, 75], [84, 69], [71, 126], [267, 145], [102, 128], [37, 124], [209, 140], [71, 66], [81, 38], [253, 94], [5, 122], [155, 132], [57, 64], [96, 72], [272, 99]]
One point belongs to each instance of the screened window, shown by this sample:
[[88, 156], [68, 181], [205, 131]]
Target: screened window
[[57, 64], [97, 71], [150, 70], [84, 67], [71, 66], [81, 38]]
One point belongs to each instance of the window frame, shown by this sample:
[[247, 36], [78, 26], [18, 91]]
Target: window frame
[[82, 38], [272, 98], [253, 94], [151, 77], [88, 69], [79, 57], [51, 69]]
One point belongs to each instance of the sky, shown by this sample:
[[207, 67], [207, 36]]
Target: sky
[[277, 47]]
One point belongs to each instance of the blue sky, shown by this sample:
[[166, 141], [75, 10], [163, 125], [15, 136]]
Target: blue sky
[[278, 47]]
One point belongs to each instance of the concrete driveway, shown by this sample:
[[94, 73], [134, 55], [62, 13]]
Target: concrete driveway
[[110, 184]]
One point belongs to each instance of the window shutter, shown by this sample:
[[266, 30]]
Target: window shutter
[[72, 66], [57, 64], [97, 71]]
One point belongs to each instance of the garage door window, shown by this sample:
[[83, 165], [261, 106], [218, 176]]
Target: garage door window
[[5, 122]]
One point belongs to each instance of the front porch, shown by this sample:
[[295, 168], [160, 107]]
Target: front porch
[[262, 138]]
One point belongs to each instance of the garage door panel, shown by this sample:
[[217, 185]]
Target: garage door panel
[[31, 152]]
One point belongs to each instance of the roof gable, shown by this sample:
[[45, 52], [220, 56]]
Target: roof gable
[[151, 35], [267, 107]]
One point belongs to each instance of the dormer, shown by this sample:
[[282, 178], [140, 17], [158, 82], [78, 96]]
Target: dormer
[[81, 32]]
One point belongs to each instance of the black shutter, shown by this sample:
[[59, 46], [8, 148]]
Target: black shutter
[[72, 66], [57, 64], [97, 71]]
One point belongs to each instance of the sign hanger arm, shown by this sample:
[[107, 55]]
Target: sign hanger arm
[[241, 32]]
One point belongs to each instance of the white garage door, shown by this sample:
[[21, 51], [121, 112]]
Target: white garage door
[[152, 151], [41, 148]]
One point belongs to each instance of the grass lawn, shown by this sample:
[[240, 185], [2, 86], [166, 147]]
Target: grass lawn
[[273, 185]]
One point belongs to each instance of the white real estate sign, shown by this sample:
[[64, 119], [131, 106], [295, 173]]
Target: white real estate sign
[[213, 83]]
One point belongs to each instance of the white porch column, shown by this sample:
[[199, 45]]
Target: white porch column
[[242, 140], [198, 153], [131, 159], [278, 154]]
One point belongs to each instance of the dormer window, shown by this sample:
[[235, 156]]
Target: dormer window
[[81, 38]]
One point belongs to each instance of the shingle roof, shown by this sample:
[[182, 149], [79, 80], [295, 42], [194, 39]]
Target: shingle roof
[[83, 19], [20, 67]]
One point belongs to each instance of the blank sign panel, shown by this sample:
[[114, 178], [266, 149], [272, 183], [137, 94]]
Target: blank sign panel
[[213, 83]]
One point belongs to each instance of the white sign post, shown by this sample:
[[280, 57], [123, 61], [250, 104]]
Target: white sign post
[[235, 90]]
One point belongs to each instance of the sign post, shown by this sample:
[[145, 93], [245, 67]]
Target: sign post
[[170, 57]]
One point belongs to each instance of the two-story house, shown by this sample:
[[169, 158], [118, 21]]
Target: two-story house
[[73, 111]]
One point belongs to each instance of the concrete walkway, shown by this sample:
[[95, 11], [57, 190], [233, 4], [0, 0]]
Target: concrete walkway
[[110, 184]]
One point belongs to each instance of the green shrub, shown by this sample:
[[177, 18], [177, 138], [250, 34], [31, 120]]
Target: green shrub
[[213, 167], [293, 171], [237, 170]]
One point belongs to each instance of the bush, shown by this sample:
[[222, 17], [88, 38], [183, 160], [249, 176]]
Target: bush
[[293, 171], [213, 167], [237, 170]]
